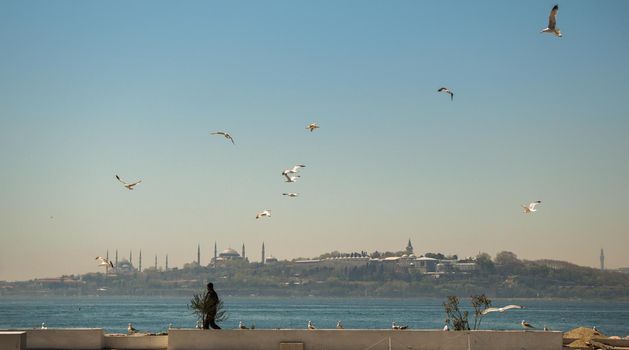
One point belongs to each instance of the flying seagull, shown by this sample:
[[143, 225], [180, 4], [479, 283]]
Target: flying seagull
[[310, 325], [500, 309], [526, 325], [531, 207], [446, 91], [291, 194], [130, 329], [129, 186], [293, 170], [552, 22], [312, 126], [339, 325], [104, 262], [263, 213], [227, 136], [397, 326], [291, 178], [242, 326]]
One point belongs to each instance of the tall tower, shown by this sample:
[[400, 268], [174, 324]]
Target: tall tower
[[215, 253], [140, 265], [166, 267], [409, 247], [262, 253], [130, 257], [243, 251], [155, 261], [199, 254], [116, 257], [602, 260], [107, 266]]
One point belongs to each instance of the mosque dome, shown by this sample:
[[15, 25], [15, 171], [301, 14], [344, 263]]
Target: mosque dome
[[229, 252]]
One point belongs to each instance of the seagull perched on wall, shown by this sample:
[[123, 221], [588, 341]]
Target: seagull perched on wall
[[310, 325], [291, 178], [526, 325], [293, 170], [291, 194], [226, 135], [104, 262], [552, 22], [44, 325], [394, 325], [339, 325], [263, 213], [531, 207], [312, 126], [446, 328], [130, 329], [500, 309], [445, 90], [242, 326], [129, 186]]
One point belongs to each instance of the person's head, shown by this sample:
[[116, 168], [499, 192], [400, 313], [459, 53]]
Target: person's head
[[210, 286]]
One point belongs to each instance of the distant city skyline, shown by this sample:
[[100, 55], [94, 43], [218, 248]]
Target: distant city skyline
[[91, 90]]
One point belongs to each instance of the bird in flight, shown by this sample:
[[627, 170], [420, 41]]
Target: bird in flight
[[531, 207], [500, 309], [291, 194], [227, 136], [291, 178], [293, 170], [552, 22], [526, 325], [129, 186], [263, 213], [312, 126], [310, 325], [104, 262], [446, 91]]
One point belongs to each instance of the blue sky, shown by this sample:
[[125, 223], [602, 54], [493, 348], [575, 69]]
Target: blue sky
[[93, 89]]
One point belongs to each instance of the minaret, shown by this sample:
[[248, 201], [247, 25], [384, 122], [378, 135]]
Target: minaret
[[166, 267], [262, 253], [116, 257], [243, 251], [199, 254], [215, 253], [107, 267], [131, 258], [140, 266], [155, 261], [409, 247], [602, 260]]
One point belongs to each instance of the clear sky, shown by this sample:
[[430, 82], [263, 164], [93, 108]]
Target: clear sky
[[92, 89]]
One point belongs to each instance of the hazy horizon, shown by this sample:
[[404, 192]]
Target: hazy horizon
[[90, 90]]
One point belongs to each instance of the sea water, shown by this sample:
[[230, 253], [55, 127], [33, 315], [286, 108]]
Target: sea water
[[155, 314]]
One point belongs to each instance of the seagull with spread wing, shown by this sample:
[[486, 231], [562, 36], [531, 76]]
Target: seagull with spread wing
[[291, 178], [263, 213], [312, 126], [128, 185], [104, 262], [446, 91], [291, 194], [500, 309], [226, 135], [531, 208], [293, 170], [552, 22]]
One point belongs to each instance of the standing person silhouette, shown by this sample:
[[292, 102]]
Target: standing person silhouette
[[211, 299]]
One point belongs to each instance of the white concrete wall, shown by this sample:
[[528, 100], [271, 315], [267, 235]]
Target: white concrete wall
[[60, 339], [193, 339], [12, 340], [144, 342]]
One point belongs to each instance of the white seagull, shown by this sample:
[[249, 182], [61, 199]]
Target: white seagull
[[500, 309], [129, 186], [44, 325], [446, 328], [242, 326], [130, 329], [263, 213], [293, 170], [526, 325], [394, 325], [312, 126], [291, 178], [310, 325], [291, 194], [552, 22], [445, 90], [226, 135], [531, 207], [339, 325], [104, 262]]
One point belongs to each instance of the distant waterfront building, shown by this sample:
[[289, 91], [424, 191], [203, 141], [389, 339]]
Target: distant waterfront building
[[409, 247], [270, 259], [602, 260]]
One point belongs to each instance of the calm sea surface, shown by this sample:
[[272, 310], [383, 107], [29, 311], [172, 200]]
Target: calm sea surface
[[154, 314]]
